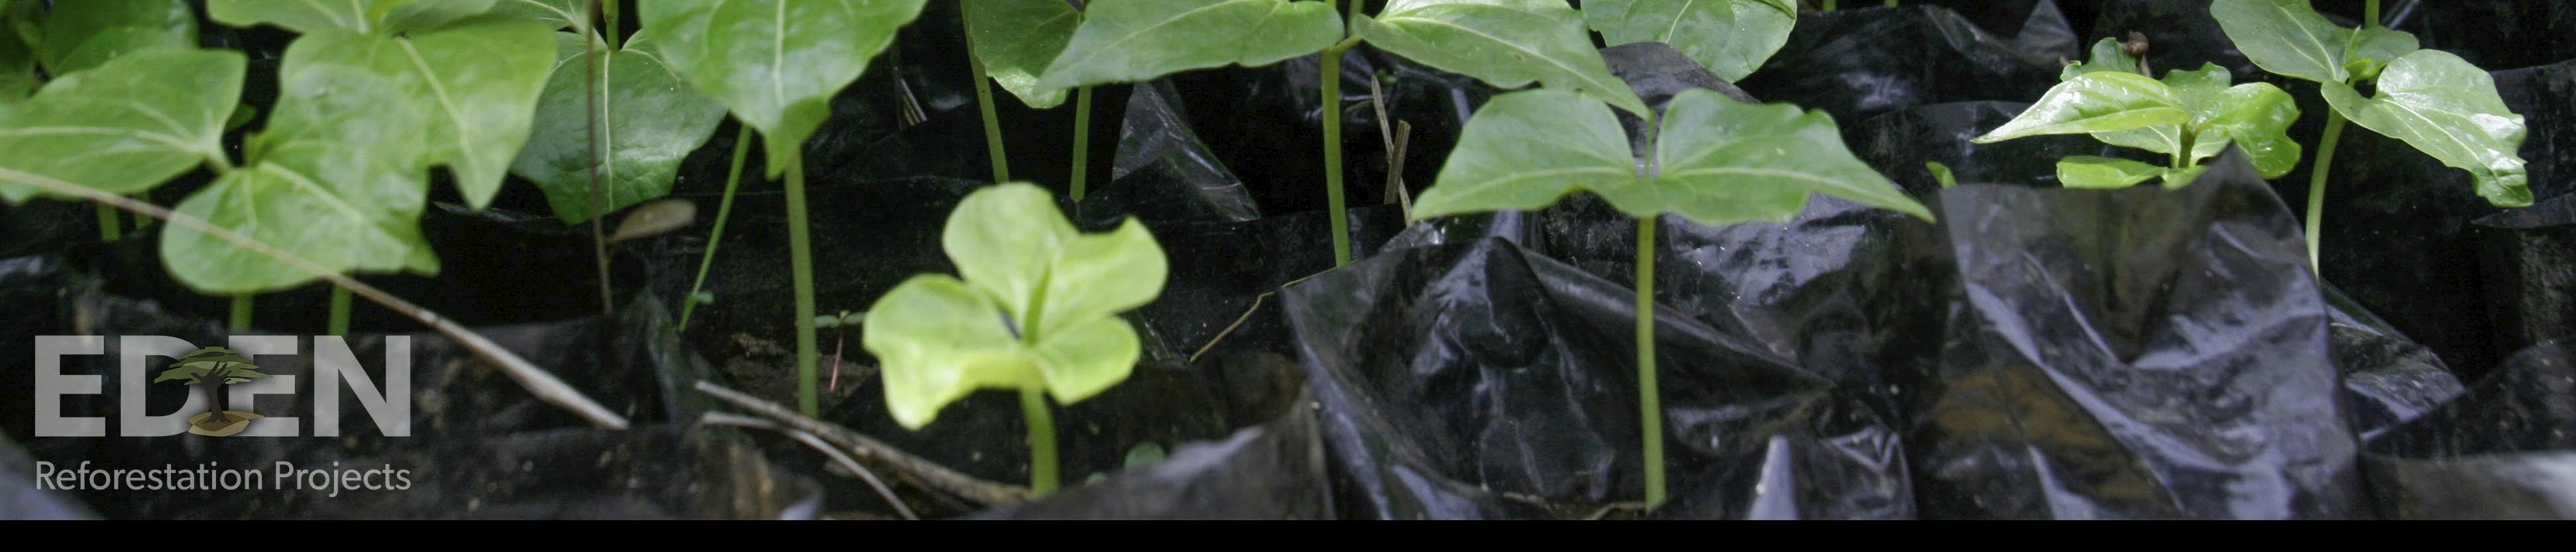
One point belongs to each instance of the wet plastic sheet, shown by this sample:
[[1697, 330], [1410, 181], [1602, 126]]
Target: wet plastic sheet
[[1900, 142], [1859, 63], [1473, 380], [2507, 450], [2387, 378], [1270, 471], [2176, 368], [2530, 266], [1266, 124]]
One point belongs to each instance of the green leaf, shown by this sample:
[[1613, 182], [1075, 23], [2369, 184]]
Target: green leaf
[[17, 62], [556, 14], [2109, 55], [1016, 39], [188, 374], [2254, 115], [1135, 40], [481, 81], [81, 35], [1941, 173], [652, 120], [127, 125], [217, 355], [332, 182], [2095, 102], [1717, 161], [774, 63], [412, 15], [1506, 43], [1038, 307], [1730, 37], [2289, 37], [384, 17], [2448, 109], [2085, 171]]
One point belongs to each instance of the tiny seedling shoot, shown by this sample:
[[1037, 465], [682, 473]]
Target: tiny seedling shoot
[[1036, 312], [2432, 100], [2189, 116], [1711, 160]]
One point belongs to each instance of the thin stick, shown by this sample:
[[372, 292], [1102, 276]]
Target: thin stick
[[1229, 328], [724, 207], [914, 468], [538, 382], [810, 441], [1395, 139]]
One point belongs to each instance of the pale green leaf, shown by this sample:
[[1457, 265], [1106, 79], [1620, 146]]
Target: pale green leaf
[[2448, 109], [1730, 37], [652, 121], [1506, 43], [2109, 55], [1016, 39], [2095, 102], [1941, 173], [774, 63], [17, 62], [2289, 37], [412, 15], [1717, 161], [303, 16], [2085, 171], [556, 14], [480, 81], [81, 35], [127, 125], [2256, 116], [1038, 308], [1135, 40]]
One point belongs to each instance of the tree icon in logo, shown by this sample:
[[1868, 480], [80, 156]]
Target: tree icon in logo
[[213, 368]]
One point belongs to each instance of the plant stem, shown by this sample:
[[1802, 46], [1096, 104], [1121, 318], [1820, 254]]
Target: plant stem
[[341, 301], [801, 257], [984, 100], [2370, 14], [241, 312], [1033, 405], [1891, 3], [110, 226], [2317, 186], [1081, 139], [1649, 400], [1331, 74], [1829, 6], [2182, 155], [741, 146], [608, 13]]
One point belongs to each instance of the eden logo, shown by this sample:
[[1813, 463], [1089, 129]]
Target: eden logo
[[228, 380]]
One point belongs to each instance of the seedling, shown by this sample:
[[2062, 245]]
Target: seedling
[[739, 52], [1010, 41], [1507, 43], [840, 325], [2432, 100], [1035, 313], [1712, 161], [2189, 116]]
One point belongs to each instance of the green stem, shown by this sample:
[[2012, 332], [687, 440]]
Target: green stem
[[984, 101], [1331, 74], [1081, 139], [241, 312], [1891, 3], [111, 226], [608, 12], [2182, 154], [340, 304], [1649, 400], [1829, 6], [724, 207], [2370, 14], [800, 256], [2317, 186], [1033, 405]]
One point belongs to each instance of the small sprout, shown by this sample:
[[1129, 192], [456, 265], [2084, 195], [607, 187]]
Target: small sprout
[[1145, 454], [1942, 174]]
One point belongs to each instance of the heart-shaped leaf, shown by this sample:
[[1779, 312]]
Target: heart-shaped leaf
[[126, 125], [1730, 37], [1716, 161], [774, 63], [1135, 40], [2289, 37], [81, 35], [2448, 109], [2095, 102], [649, 121], [1016, 39], [1506, 43], [1038, 307]]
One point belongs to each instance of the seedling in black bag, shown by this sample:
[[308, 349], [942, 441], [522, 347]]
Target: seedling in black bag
[[2189, 116]]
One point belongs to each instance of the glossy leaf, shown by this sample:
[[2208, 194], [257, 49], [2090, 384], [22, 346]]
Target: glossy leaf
[[2085, 171], [2108, 55], [2256, 116], [651, 120], [2448, 109], [774, 63], [127, 125], [81, 35], [1717, 161], [2095, 102], [1038, 307], [384, 17], [17, 60], [1941, 174], [1017, 39], [480, 82], [2289, 37], [1730, 37], [339, 178], [1135, 40], [1506, 43], [556, 14]]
